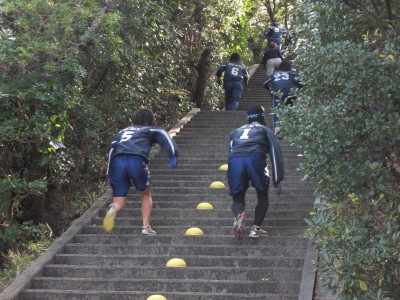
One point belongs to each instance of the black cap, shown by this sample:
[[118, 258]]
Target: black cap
[[255, 113]]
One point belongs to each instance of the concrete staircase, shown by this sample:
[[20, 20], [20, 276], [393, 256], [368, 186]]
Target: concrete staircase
[[90, 264]]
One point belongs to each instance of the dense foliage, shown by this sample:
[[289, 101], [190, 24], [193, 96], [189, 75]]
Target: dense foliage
[[73, 72], [347, 122]]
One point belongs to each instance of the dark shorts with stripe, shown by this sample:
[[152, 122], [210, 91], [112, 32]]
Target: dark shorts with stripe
[[243, 170], [125, 170]]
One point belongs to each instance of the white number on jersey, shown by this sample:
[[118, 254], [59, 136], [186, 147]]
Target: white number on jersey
[[281, 76], [127, 135], [245, 134], [235, 71]]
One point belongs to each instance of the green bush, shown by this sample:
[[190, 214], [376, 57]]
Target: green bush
[[347, 121]]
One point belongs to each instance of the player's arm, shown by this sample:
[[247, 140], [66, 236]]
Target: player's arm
[[298, 82], [161, 137], [275, 154], [267, 82], [245, 76], [220, 70]]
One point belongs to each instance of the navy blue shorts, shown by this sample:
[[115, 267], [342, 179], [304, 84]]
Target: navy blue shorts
[[245, 169], [233, 93], [125, 169]]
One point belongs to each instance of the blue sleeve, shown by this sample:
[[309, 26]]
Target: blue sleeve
[[245, 76], [296, 81], [161, 137], [275, 155], [267, 81], [220, 70], [269, 32]]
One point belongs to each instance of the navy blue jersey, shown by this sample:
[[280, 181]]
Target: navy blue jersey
[[138, 140], [233, 71], [257, 139], [275, 32], [283, 81]]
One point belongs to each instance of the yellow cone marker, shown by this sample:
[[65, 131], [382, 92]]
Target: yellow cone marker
[[156, 297], [194, 231], [204, 205], [176, 263], [217, 185], [224, 167]]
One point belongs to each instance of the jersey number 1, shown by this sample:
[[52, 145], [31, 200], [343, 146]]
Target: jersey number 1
[[245, 134]]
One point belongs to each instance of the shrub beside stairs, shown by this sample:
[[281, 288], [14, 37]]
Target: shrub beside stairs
[[86, 263]]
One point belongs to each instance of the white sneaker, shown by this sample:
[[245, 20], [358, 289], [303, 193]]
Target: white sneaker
[[257, 232], [148, 231]]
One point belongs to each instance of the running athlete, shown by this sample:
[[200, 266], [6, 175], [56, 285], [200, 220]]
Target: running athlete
[[128, 162], [275, 33], [248, 150], [235, 76], [282, 82], [272, 59]]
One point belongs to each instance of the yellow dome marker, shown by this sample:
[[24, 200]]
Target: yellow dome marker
[[176, 263], [194, 231], [224, 167], [217, 185], [204, 205], [156, 297]]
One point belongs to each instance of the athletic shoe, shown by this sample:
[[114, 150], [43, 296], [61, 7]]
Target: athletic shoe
[[148, 231], [238, 225], [257, 232], [108, 221]]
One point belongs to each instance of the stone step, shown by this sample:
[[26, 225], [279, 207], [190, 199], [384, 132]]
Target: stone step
[[285, 192], [183, 214], [160, 260], [217, 205], [173, 183], [290, 160], [182, 239], [222, 148], [207, 171], [138, 279], [242, 248], [201, 222], [216, 176], [53, 294], [209, 230], [207, 196], [217, 157]]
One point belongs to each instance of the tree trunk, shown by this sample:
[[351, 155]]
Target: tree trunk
[[271, 9], [203, 69], [33, 206]]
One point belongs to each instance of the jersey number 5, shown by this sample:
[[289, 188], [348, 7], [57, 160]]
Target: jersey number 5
[[126, 135]]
